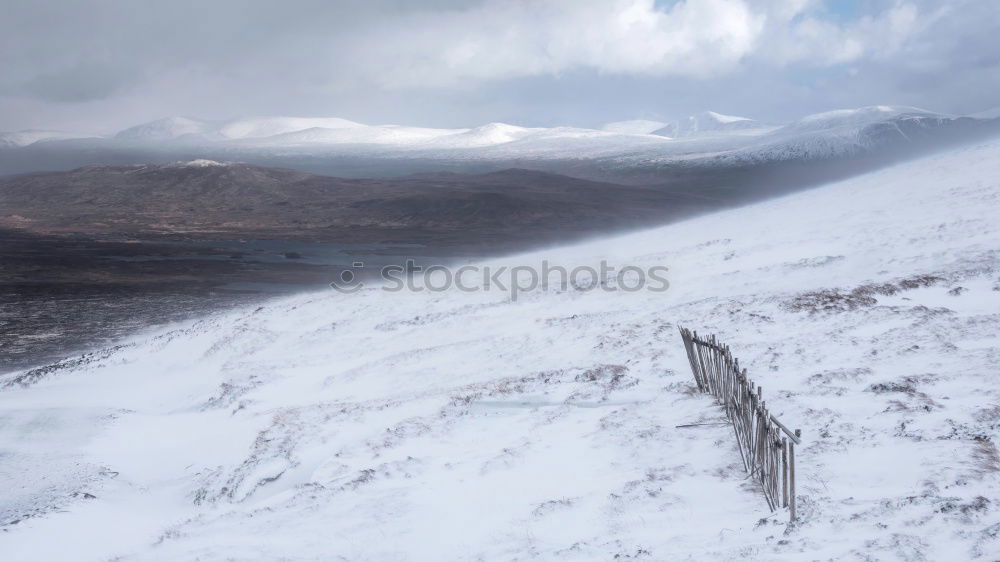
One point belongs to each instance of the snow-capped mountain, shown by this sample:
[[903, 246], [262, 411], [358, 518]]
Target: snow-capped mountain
[[853, 118], [262, 127], [561, 425], [382, 135], [485, 135], [24, 138], [168, 128], [708, 134], [866, 130], [707, 123], [708, 139]]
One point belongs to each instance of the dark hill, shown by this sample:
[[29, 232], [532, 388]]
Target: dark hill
[[508, 208]]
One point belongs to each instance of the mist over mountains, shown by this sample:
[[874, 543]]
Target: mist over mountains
[[89, 220], [639, 152]]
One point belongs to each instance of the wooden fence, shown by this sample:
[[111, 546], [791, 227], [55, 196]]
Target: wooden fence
[[766, 445]]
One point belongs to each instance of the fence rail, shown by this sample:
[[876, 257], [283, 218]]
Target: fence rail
[[766, 446]]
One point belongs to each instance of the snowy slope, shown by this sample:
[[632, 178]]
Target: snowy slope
[[461, 425], [851, 132], [858, 117]]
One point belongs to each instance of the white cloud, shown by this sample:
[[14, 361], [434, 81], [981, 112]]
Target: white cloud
[[503, 39], [500, 39], [805, 36], [460, 62]]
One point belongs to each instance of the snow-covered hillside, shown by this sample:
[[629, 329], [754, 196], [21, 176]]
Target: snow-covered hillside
[[461, 425], [861, 116]]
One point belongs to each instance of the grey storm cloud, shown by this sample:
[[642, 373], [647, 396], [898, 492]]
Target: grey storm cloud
[[80, 83], [103, 64]]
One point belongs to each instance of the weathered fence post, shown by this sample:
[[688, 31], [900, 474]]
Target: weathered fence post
[[784, 472], [791, 477]]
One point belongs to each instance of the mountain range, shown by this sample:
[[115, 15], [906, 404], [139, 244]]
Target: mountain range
[[614, 152]]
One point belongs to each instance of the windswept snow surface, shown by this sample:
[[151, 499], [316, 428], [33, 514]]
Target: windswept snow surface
[[462, 425]]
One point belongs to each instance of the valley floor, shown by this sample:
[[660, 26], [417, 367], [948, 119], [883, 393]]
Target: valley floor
[[463, 425]]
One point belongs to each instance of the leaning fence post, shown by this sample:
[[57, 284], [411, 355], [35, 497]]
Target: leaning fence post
[[791, 477], [784, 472]]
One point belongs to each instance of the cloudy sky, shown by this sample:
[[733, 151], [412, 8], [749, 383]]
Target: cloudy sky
[[102, 65]]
